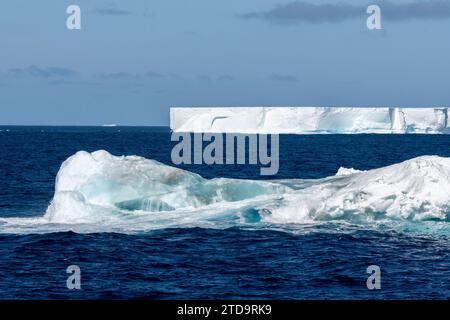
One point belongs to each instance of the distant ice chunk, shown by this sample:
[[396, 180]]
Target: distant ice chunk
[[346, 171]]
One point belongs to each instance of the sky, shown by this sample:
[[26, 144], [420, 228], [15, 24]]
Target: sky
[[132, 60]]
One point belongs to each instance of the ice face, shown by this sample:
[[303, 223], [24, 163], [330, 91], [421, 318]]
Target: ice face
[[99, 192], [310, 120], [90, 184]]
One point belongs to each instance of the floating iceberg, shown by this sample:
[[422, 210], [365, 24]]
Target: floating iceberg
[[99, 192], [309, 120]]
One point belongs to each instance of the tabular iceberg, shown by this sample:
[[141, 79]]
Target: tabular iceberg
[[309, 120]]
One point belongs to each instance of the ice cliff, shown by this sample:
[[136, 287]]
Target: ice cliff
[[310, 120]]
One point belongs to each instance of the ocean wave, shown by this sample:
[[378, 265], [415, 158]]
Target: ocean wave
[[99, 192]]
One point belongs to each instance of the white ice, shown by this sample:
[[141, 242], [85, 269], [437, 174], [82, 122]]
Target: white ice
[[99, 192], [309, 120]]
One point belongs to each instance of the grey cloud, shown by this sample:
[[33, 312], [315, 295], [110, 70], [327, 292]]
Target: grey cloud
[[60, 82], [119, 75], [47, 72], [415, 10], [225, 77], [305, 12], [152, 74], [113, 12], [220, 78], [130, 76], [204, 78], [62, 72], [283, 78]]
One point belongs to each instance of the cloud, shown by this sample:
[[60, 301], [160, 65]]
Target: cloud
[[107, 11], [225, 77], [119, 75], [283, 78], [306, 12], [219, 78], [154, 75], [62, 82], [204, 78], [131, 76], [415, 10], [39, 72]]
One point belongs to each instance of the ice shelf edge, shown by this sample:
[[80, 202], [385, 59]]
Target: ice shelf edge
[[310, 120]]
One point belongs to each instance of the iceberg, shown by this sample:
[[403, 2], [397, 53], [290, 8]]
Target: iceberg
[[100, 192], [309, 120]]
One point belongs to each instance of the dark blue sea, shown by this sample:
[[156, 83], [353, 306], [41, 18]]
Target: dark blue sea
[[252, 260]]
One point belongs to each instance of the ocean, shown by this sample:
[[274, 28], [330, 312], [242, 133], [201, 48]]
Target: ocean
[[304, 233]]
